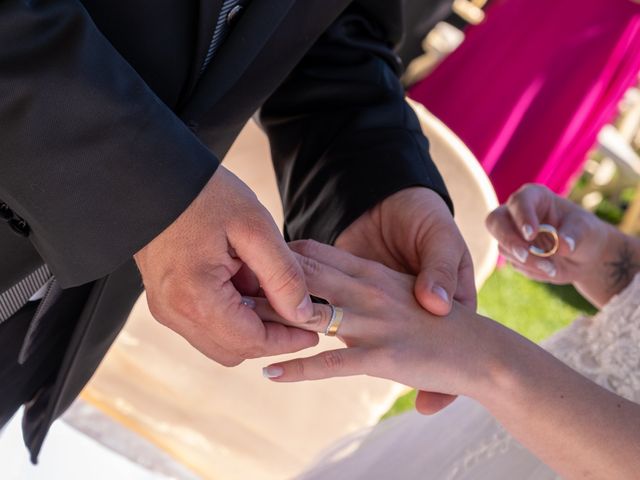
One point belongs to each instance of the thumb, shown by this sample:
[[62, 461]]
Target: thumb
[[438, 280], [572, 232], [277, 270]]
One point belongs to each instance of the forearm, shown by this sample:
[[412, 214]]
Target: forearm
[[342, 136], [613, 271], [576, 427]]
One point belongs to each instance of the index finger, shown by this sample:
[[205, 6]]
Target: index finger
[[528, 207]]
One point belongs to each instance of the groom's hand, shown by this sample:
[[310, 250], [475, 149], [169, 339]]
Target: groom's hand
[[413, 231], [225, 241]]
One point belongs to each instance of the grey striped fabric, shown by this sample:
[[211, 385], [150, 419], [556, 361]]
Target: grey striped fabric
[[17, 296], [221, 30]]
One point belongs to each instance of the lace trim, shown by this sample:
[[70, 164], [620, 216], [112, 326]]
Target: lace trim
[[605, 348], [499, 444]]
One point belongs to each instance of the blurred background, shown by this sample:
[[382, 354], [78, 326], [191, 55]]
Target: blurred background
[[508, 92]]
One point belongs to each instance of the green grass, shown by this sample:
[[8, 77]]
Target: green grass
[[402, 404], [532, 309]]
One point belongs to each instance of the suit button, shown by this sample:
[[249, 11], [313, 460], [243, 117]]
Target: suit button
[[5, 212], [19, 226], [234, 15]]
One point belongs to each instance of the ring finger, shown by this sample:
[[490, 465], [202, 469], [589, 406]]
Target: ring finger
[[319, 321]]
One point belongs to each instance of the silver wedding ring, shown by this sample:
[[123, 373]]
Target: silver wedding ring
[[337, 314]]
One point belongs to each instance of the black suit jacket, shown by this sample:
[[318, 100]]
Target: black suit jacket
[[109, 130]]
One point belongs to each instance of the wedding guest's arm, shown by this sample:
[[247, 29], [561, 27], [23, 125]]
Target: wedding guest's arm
[[578, 428], [594, 256]]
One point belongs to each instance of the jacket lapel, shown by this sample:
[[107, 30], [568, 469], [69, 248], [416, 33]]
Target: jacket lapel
[[248, 38], [263, 48]]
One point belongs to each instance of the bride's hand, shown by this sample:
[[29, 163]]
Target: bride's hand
[[388, 334]]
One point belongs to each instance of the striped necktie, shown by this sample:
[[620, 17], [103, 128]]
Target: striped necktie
[[222, 28], [16, 297]]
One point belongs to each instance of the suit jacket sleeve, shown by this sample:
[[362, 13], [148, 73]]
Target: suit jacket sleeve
[[91, 158], [342, 135]]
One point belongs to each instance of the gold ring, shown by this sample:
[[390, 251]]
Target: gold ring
[[337, 314], [548, 229]]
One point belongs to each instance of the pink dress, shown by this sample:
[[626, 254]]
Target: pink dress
[[529, 89]]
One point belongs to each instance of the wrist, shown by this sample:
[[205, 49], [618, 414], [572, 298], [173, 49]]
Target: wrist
[[609, 238], [505, 366], [610, 271]]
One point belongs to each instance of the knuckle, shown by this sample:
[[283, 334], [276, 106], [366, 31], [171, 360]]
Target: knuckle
[[155, 309], [521, 195], [493, 219], [298, 367], [529, 188], [253, 349], [179, 301], [167, 313], [189, 309], [229, 362], [307, 248], [310, 266], [332, 361], [445, 273], [219, 274], [515, 199], [377, 295], [252, 352], [287, 278]]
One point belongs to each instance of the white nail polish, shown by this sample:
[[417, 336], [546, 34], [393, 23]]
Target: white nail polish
[[527, 232], [441, 292], [571, 243], [248, 302], [520, 253], [547, 267], [272, 372]]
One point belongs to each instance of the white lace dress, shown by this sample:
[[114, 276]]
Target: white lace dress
[[464, 441]]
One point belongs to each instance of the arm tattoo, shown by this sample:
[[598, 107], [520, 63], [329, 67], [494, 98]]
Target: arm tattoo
[[624, 268]]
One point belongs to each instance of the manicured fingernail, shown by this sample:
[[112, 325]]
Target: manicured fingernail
[[441, 292], [571, 243], [547, 267], [520, 253], [305, 310], [248, 302], [272, 372], [527, 232]]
